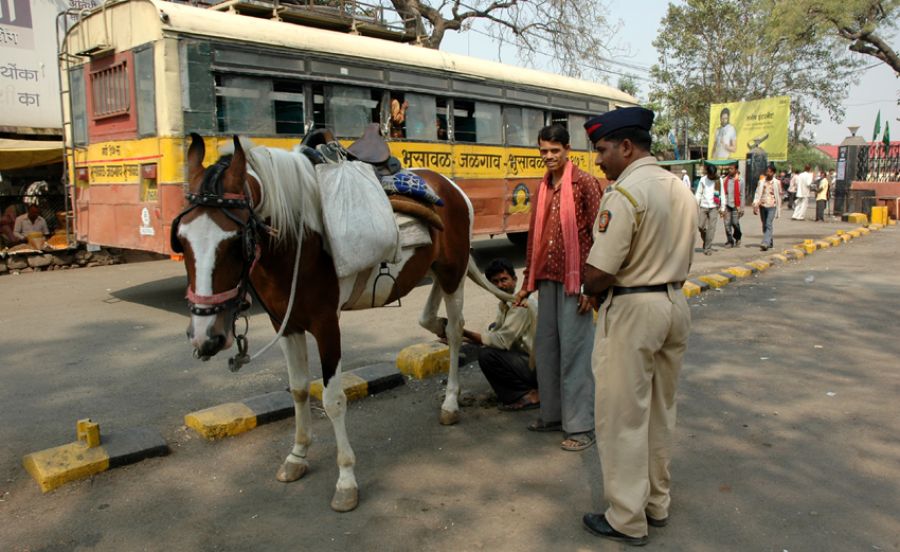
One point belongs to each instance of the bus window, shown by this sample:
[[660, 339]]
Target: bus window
[[348, 109], [522, 125], [146, 93], [421, 114], [477, 122], [577, 134], [79, 106], [243, 105], [559, 118], [288, 100]]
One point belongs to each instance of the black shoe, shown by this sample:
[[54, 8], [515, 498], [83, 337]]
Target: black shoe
[[729, 245], [596, 524], [653, 522]]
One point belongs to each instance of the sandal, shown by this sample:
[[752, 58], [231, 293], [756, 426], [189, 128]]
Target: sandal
[[578, 441], [541, 425], [525, 402]]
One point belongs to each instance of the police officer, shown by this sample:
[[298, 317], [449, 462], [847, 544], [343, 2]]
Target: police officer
[[643, 247]]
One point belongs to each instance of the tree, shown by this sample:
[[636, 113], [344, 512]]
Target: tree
[[628, 84], [714, 51], [864, 24], [574, 33]]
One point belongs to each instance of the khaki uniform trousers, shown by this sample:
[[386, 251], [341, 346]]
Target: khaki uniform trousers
[[640, 343]]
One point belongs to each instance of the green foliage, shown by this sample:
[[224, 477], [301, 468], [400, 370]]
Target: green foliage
[[801, 155], [628, 84], [863, 26], [713, 51]]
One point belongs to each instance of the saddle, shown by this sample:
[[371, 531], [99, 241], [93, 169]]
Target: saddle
[[408, 193]]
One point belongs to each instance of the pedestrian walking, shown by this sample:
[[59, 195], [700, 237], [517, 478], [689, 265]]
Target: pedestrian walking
[[732, 199], [559, 240], [791, 188], [804, 185], [822, 196], [686, 179], [708, 199], [643, 247], [767, 204]]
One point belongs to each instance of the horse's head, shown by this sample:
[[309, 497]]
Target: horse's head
[[217, 234]]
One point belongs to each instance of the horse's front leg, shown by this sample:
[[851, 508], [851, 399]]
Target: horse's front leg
[[455, 323], [295, 352], [346, 493]]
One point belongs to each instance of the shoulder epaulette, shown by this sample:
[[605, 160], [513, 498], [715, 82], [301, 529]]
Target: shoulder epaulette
[[638, 213]]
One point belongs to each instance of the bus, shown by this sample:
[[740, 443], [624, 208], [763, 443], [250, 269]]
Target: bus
[[137, 76]]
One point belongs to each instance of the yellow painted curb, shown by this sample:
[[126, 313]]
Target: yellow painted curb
[[691, 289], [424, 360], [739, 271], [780, 257], [760, 265], [354, 387], [876, 227], [834, 240], [839, 232], [223, 420], [892, 222], [845, 237], [808, 247], [864, 230], [59, 465], [855, 233], [714, 280], [797, 252], [823, 244], [857, 218]]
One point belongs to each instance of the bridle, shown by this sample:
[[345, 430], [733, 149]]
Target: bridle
[[211, 195]]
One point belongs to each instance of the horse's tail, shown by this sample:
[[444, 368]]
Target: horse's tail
[[475, 274]]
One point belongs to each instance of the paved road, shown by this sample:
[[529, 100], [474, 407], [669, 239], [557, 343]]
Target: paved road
[[786, 438]]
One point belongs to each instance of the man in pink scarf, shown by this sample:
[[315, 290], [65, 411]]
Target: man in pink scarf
[[559, 240]]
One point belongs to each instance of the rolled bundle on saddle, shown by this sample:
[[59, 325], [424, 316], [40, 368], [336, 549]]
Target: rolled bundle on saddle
[[409, 193]]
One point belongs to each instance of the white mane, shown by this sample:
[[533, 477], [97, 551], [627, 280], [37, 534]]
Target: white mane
[[289, 194]]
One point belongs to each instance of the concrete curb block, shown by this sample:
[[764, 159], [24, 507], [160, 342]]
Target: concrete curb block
[[715, 280], [695, 286], [230, 419], [57, 466], [424, 360], [740, 271]]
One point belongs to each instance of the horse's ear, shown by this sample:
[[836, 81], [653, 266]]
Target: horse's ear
[[196, 153], [237, 169]]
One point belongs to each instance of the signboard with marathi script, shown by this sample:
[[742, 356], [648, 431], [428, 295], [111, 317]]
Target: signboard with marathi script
[[735, 128], [29, 78]]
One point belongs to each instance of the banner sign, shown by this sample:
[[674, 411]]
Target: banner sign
[[735, 128], [29, 79]]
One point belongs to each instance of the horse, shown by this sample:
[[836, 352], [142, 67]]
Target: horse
[[243, 231]]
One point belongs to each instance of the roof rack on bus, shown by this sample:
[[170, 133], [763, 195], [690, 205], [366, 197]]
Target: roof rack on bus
[[349, 16]]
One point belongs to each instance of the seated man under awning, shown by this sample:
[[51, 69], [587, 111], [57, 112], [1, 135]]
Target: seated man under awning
[[32, 221]]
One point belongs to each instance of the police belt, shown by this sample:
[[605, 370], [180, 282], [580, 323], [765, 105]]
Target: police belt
[[616, 290]]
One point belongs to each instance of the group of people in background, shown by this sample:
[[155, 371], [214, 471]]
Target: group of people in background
[[723, 197]]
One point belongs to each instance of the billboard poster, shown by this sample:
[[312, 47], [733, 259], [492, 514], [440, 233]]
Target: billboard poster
[[735, 128], [29, 79]]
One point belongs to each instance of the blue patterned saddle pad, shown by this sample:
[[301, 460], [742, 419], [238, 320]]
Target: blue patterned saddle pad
[[411, 185]]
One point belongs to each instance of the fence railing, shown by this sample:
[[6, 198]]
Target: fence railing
[[878, 163]]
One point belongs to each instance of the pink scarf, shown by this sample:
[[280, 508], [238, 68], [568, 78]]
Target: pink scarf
[[572, 280]]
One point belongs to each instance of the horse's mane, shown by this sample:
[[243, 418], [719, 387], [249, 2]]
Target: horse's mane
[[289, 192]]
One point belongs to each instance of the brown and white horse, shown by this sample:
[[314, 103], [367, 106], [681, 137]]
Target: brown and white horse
[[227, 247]]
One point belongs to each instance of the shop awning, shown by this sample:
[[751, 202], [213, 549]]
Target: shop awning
[[21, 154], [716, 162]]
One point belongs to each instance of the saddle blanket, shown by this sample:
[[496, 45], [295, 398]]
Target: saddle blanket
[[412, 185]]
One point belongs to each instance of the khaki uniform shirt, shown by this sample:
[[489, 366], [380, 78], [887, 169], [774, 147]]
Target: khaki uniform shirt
[[513, 329], [644, 233]]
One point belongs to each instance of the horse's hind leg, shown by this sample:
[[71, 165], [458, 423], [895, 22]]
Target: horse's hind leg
[[455, 323], [295, 352], [429, 318]]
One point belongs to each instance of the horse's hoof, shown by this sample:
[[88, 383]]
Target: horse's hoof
[[291, 471], [449, 418], [345, 499]]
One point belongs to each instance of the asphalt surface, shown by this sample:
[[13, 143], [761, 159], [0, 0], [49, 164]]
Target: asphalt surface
[[786, 440]]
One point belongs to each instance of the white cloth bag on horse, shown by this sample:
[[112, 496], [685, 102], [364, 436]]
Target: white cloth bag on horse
[[359, 222]]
